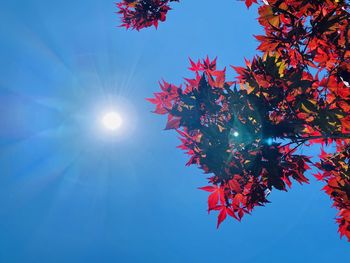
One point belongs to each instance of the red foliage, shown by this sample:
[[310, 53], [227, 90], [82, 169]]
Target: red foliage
[[138, 14], [210, 116], [246, 133], [248, 3], [335, 172]]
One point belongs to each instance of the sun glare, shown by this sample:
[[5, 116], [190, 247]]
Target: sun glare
[[112, 121]]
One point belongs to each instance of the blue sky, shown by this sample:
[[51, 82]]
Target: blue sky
[[70, 193]]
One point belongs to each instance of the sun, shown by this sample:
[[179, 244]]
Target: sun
[[112, 121]]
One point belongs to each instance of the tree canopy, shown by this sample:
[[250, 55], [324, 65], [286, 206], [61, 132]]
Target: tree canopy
[[245, 132]]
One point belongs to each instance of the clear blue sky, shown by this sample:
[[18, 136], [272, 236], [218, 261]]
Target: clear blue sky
[[70, 195]]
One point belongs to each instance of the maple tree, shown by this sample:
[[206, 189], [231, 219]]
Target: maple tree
[[246, 132]]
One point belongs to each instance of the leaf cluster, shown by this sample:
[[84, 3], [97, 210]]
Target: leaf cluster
[[246, 133]]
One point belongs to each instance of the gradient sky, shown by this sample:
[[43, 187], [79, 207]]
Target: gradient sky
[[69, 193]]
